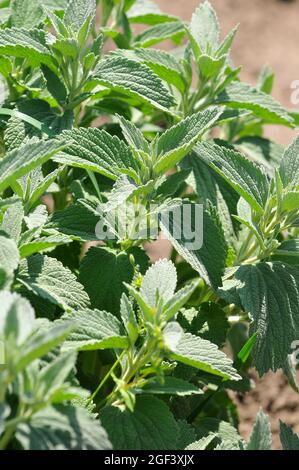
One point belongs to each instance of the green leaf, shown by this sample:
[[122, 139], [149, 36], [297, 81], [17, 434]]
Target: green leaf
[[96, 329], [133, 79], [178, 300], [54, 84], [261, 437], [78, 221], [289, 167], [19, 42], [26, 13], [133, 135], [150, 427], [261, 150], [290, 201], [62, 427], [21, 161], [209, 260], [96, 150], [244, 176], [174, 30], [288, 252], [54, 375], [102, 273], [204, 27], [41, 341], [176, 142], [172, 386], [209, 322], [162, 63], [49, 279], [9, 255], [269, 293], [17, 317], [241, 96], [42, 244], [128, 318], [148, 12], [78, 11], [203, 355], [222, 431], [289, 440], [13, 220], [159, 282]]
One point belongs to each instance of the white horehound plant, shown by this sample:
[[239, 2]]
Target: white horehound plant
[[100, 348]]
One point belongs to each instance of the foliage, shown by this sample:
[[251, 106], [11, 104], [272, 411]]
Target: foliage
[[102, 349]]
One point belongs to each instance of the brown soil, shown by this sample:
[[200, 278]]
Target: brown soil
[[269, 34]]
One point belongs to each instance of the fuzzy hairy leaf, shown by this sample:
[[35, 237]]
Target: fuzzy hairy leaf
[[289, 167], [17, 317], [26, 13], [204, 355], [159, 282], [151, 426], [95, 329], [49, 279], [171, 30], [209, 260], [176, 142], [172, 386], [242, 96], [204, 27], [62, 427], [21, 161], [19, 42], [96, 150], [260, 438], [148, 12], [102, 273], [244, 176], [78, 11], [269, 292], [134, 79], [78, 221], [162, 63]]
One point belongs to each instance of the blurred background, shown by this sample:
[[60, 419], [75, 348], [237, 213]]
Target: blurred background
[[268, 34]]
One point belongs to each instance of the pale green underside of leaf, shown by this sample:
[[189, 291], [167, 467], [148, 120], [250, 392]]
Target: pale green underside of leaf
[[96, 150], [242, 96], [134, 79], [260, 438], [204, 26], [150, 427], [96, 330], [244, 176], [21, 161], [202, 354], [49, 279]]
